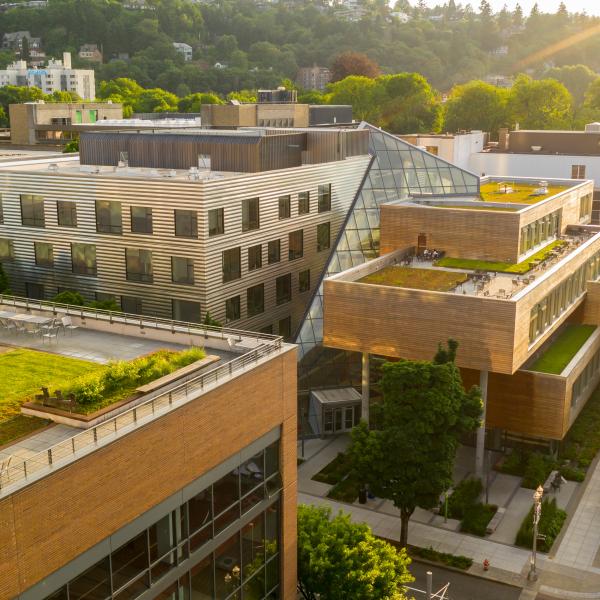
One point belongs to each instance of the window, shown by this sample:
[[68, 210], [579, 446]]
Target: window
[[34, 290], [255, 299], [216, 221], [585, 207], [254, 257], [232, 309], [138, 265], [250, 214], [83, 259], [129, 562], [66, 213], [6, 249], [185, 310], [108, 217], [285, 207], [283, 289], [44, 255], [303, 203], [304, 281], [285, 327], [32, 211], [231, 264], [1, 211], [324, 198], [274, 251], [577, 171], [186, 223], [295, 244], [141, 219], [131, 305], [182, 270], [323, 237]]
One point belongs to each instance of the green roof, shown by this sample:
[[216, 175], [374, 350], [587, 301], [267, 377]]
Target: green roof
[[522, 192], [418, 279]]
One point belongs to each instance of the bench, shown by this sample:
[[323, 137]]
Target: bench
[[548, 483], [495, 520]]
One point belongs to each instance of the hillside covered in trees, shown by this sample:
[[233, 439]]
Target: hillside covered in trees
[[257, 43]]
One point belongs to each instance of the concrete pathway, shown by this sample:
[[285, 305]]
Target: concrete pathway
[[31, 445]]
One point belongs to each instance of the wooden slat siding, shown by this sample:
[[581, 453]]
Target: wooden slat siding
[[281, 151], [52, 521], [476, 234], [409, 324], [592, 303], [164, 195]]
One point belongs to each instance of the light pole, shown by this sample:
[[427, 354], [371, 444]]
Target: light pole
[[537, 511]]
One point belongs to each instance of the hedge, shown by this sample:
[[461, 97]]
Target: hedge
[[551, 522]]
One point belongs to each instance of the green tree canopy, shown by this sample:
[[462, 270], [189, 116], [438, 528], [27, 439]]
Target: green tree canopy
[[425, 410], [576, 78], [353, 63], [341, 560], [540, 104], [476, 105], [360, 93]]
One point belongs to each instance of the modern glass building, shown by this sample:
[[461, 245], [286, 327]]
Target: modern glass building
[[398, 170]]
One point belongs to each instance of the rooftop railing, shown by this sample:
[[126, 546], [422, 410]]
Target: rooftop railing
[[17, 474]]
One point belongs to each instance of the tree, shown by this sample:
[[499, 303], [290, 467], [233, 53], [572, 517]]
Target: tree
[[540, 104], [339, 560], [4, 282], [518, 15], [70, 147], [425, 411], [353, 63], [359, 92], [576, 78], [476, 105]]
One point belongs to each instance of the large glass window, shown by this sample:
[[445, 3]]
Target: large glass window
[[274, 251], [186, 223], [250, 214], [66, 213], [542, 230], [202, 582], [324, 198], [232, 309], [182, 270], [139, 265], [83, 259], [232, 264], [185, 310], [323, 236], [130, 565], [285, 207], [141, 219], [6, 249], [32, 211], [44, 254], [283, 289], [226, 496], [303, 203], [93, 583], [216, 221], [228, 568], [255, 299], [295, 244], [108, 217], [254, 257]]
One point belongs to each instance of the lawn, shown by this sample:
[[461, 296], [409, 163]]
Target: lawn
[[563, 349], [22, 373], [420, 279], [522, 192], [500, 267]]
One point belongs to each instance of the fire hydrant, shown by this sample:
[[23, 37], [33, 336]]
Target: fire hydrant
[[486, 564]]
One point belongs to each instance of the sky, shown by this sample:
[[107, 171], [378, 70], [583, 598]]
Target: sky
[[592, 7]]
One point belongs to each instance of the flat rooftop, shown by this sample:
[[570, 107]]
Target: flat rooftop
[[514, 191], [28, 363]]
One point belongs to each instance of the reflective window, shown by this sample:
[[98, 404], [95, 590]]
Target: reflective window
[[32, 211], [228, 569], [130, 561], [274, 251], [232, 268], [285, 207], [283, 289], [285, 327], [295, 244], [186, 223], [216, 221], [255, 299], [83, 259], [138, 265], [66, 213], [108, 217], [141, 219], [186, 310], [304, 281], [254, 257], [44, 254], [324, 199], [232, 309], [131, 305], [323, 236], [303, 203], [7, 251], [250, 214], [202, 579], [182, 270], [93, 584]]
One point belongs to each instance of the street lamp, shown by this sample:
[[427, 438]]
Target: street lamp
[[537, 511]]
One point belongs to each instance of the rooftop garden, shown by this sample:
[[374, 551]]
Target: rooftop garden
[[562, 349], [522, 193], [24, 372], [420, 279], [500, 267]]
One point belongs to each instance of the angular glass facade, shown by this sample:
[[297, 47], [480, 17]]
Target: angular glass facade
[[397, 171]]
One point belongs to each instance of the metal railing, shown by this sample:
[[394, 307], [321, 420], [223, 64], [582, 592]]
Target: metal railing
[[143, 321], [112, 428]]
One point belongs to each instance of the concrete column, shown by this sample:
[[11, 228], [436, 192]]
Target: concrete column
[[365, 387], [480, 448]]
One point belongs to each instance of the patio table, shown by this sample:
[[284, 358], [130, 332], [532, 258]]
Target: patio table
[[38, 320], [5, 314]]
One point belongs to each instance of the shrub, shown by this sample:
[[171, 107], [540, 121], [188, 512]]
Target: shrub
[[465, 495], [514, 463], [110, 304], [551, 522], [69, 297], [572, 473], [537, 470], [456, 561], [335, 471], [346, 490], [477, 518]]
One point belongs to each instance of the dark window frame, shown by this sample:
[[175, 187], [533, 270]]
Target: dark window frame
[[104, 208], [255, 257], [303, 203], [233, 309], [230, 274], [189, 280], [43, 262], [144, 220], [140, 275], [324, 198], [321, 245], [304, 281], [293, 237], [189, 229], [283, 294], [251, 222], [81, 268], [34, 204], [251, 310], [65, 208], [216, 227], [285, 206]]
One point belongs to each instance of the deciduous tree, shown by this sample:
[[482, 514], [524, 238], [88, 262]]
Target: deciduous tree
[[341, 560], [358, 91], [353, 63]]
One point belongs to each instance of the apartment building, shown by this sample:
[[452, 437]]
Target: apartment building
[[313, 78], [239, 224], [57, 75], [184, 490], [510, 273]]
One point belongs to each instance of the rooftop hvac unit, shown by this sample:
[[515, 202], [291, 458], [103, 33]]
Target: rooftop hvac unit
[[592, 128]]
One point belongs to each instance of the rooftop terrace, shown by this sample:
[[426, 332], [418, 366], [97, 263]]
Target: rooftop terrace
[[27, 364], [518, 192]]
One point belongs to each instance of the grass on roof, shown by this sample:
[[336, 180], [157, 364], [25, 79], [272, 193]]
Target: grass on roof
[[561, 351], [22, 373], [419, 279], [522, 192], [500, 267], [467, 207]]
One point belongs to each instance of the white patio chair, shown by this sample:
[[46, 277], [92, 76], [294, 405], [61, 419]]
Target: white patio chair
[[67, 323], [51, 334], [4, 470]]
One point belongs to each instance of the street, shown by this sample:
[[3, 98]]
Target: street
[[462, 586]]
